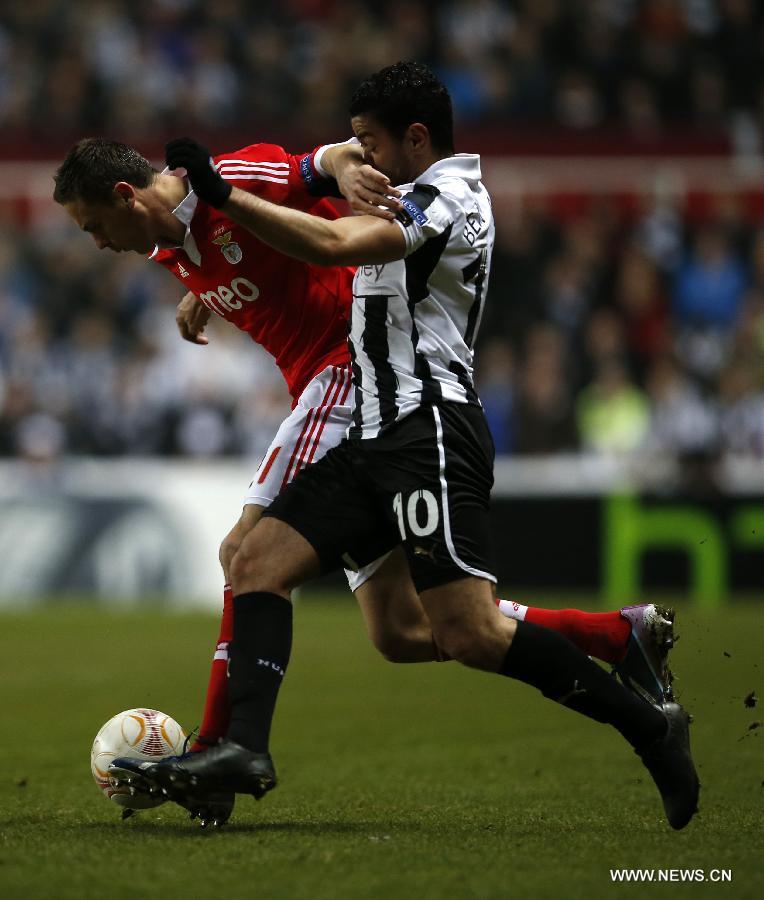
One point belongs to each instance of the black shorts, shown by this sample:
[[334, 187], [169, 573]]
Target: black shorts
[[425, 483]]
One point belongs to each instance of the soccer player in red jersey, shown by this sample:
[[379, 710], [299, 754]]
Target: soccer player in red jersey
[[298, 312]]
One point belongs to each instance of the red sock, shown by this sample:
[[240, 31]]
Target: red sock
[[603, 635], [216, 708]]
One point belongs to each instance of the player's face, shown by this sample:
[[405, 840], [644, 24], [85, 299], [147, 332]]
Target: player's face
[[117, 226], [392, 156]]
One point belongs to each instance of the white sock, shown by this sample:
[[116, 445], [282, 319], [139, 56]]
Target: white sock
[[512, 610]]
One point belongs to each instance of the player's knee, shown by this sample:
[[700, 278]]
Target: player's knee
[[395, 648], [256, 568], [251, 570], [470, 646], [227, 551]]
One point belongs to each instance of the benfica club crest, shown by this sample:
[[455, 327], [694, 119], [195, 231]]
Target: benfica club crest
[[230, 249]]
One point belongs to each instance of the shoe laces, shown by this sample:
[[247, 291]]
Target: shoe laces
[[186, 754], [193, 733]]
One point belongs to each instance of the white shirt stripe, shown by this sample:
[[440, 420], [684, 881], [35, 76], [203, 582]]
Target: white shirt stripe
[[248, 162], [236, 177], [269, 170]]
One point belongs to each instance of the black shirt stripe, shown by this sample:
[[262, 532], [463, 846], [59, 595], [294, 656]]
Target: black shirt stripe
[[421, 264], [377, 348], [465, 381], [356, 428], [475, 271], [419, 267]]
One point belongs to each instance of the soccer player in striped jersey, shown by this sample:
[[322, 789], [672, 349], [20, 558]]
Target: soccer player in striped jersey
[[113, 193], [417, 465], [264, 293]]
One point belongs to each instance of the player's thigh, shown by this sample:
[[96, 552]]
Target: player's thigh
[[332, 504], [273, 557], [318, 422], [467, 624], [441, 497], [389, 602]]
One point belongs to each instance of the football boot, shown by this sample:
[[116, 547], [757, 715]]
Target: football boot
[[669, 760], [209, 807], [227, 767], [644, 669]]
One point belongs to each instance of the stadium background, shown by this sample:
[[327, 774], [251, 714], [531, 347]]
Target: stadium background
[[623, 340], [620, 364]]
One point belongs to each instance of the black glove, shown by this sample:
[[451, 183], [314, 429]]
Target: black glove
[[185, 153]]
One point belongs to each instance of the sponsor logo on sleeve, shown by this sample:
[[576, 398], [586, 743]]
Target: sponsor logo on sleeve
[[306, 169], [411, 213]]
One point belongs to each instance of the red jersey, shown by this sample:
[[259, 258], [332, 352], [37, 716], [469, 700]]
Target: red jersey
[[298, 312]]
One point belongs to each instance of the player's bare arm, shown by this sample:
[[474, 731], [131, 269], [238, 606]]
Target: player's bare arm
[[347, 241], [367, 190], [191, 317], [342, 242]]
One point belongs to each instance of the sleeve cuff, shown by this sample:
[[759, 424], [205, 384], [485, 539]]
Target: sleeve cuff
[[319, 155], [407, 236]]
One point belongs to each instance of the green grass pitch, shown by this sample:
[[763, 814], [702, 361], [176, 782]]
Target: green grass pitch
[[396, 781]]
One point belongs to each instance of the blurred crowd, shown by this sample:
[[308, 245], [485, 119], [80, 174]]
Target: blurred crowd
[[618, 335], [606, 331], [601, 333], [91, 361], [129, 67]]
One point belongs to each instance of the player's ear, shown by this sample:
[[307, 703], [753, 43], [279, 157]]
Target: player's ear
[[124, 193], [418, 136]]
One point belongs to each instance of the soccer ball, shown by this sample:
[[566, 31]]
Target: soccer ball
[[140, 734]]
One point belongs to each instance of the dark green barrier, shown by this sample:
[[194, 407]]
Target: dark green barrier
[[622, 544]]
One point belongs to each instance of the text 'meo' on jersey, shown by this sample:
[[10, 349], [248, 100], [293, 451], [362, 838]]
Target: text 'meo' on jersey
[[296, 311], [414, 321]]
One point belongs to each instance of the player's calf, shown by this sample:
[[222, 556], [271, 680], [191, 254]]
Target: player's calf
[[602, 635], [636, 640], [395, 618]]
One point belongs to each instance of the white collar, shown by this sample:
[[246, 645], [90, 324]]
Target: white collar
[[462, 165], [184, 213]]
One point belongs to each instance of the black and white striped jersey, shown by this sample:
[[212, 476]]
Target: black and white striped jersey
[[414, 321]]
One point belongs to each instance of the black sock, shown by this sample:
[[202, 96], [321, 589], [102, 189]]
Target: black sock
[[258, 657], [549, 661]]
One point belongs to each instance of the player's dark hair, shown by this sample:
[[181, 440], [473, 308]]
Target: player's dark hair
[[404, 93], [94, 165]]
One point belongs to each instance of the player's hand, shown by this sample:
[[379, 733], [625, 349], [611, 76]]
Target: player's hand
[[208, 184], [368, 191], [191, 316]]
